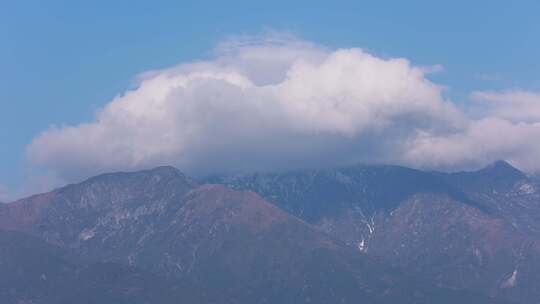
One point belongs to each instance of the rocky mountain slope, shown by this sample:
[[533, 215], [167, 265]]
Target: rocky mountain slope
[[475, 230], [203, 243]]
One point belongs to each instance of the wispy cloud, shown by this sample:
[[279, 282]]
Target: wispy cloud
[[490, 77], [5, 196], [32, 184], [516, 105]]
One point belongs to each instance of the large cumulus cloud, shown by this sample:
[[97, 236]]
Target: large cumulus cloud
[[278, 102]]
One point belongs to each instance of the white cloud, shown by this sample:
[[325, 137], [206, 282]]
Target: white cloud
[[273, 103], [518, 106]]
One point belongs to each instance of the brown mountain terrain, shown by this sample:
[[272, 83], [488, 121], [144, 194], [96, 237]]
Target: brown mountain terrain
[[204, 243]]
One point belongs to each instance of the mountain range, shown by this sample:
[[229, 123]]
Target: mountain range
[[357, 234]]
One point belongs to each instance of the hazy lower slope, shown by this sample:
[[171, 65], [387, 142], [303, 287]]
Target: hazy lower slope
[[32, 271]]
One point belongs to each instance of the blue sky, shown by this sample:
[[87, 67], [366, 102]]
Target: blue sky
[[61, 60]]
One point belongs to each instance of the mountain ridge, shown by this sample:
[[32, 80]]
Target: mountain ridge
[[499, 195], [247, 244]]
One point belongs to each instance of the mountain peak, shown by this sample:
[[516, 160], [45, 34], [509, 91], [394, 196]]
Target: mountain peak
[[500, 164], [166, 171], [158, 173], [502, 167], [497, 174]]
